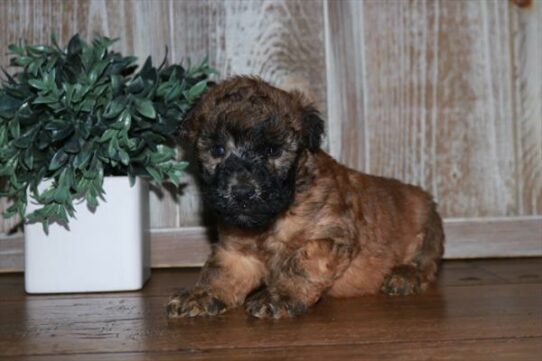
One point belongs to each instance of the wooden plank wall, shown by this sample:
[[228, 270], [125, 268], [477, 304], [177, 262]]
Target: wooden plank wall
[[444, 94]]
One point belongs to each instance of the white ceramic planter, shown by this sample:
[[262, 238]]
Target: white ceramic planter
[[107, 250]]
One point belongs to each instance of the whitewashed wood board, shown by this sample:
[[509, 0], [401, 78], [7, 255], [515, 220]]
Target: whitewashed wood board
[[444, 94]]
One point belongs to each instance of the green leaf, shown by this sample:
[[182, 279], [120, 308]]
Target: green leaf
[[92, 200], [108, 134], [145, 108], [55, 124], [9, 103], [45, 225], [80, 91], [61, 195], [58, 160], [154, 173], [113, 109], [174, 93], [43, 141], [88, 105], [116, 83], [23, 142], [23, 60], [15, 129], [75, 45], [15, 49], [180, 166], [61, 133], [33, 68], [69, 90], [73, 146], [98, 70], [49, 99], [112, 148], [136, 85], [197, 89], [125, 119], [124, 157], [127, 142], [7, 168], [164, 88], [38, 84], [81, 159]]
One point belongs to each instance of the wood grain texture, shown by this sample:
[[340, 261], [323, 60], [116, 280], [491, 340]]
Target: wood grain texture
[[493, 166], [453, 273], [190, 38], [491, 319], [465, 239], [185, 247], [416, 91], [438, 109], [504, 237], [526, 40], [11, 253], [525, 349], [346, 77], [444, 94]]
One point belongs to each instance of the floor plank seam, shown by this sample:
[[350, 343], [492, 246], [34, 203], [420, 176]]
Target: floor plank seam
[[281, 347]]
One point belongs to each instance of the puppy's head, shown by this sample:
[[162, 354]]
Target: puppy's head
[[248, 137]]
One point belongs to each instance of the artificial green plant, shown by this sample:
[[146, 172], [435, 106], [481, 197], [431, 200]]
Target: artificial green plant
[[76, 114]]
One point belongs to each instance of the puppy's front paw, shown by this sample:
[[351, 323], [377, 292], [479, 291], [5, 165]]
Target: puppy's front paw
[[198, 303], [267, 305]]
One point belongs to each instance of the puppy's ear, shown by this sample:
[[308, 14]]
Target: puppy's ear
[[186, 131], [190, 124], [313, 128], [312, 124]]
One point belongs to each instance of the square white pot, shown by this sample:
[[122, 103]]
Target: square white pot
[[107, 250]]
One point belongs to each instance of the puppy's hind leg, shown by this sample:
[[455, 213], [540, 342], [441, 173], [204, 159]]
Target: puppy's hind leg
[[415, 276], [404, 280]]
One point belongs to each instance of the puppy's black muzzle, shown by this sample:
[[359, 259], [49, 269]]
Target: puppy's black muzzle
[[242, 192]]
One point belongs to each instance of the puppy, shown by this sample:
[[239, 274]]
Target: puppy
[[295, 225]]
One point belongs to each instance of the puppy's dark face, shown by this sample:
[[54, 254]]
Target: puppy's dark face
[[248, 137]]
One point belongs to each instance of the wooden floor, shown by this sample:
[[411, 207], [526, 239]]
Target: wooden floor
[[489, 309]]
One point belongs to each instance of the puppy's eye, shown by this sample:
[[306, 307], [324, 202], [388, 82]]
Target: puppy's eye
[[217, 151], [273, 151]]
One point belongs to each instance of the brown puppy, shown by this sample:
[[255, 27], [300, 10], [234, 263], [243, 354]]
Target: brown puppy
[[294, 224]]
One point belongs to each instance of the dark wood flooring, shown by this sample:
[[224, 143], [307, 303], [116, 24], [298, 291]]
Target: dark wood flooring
[[480, 310]]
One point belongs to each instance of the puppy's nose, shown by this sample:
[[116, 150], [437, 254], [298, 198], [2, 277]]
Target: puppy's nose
[[242, 192]]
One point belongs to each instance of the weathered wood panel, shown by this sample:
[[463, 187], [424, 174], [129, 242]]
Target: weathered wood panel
[[346, 82], [526, 40], [439, 111], [465, 238], [490, 237], [444, 94]]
